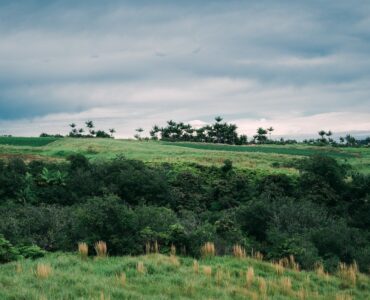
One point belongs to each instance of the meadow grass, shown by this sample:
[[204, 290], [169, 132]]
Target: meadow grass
[[26, 141], [154, 276], [262, 159]]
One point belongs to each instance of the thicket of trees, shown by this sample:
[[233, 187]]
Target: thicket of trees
[[320, 215], [226, 133]]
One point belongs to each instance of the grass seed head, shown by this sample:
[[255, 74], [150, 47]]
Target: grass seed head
[[43, 271], [239, 251], [83, 250], [101, 249], [208, 250], [207, 270], [196, 266], [140, 267], [250, 276]]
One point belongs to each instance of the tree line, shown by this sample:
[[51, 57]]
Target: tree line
[[226, 133]]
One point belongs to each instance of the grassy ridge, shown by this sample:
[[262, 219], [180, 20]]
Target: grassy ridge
[[265, 149], [169, 278], [26, 141], [260, 158]]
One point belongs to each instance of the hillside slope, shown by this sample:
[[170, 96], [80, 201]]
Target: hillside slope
[[270, 158], [165, 277]]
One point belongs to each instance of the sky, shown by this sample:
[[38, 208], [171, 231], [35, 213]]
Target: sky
[[299, 66]]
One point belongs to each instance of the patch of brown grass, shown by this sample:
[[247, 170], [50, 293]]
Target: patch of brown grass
[[286, 284], [43, 271], [83, 250], [262, 286], [249, 276], [121, 279], [196, 266], [140, 267], [207, 270], [101, 249], [239, 251], [208, 250], [348, 273]]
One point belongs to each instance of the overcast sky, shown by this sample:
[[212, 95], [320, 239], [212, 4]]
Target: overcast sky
[[298, 66]]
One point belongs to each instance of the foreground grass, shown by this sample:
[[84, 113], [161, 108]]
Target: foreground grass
[[66, 276]]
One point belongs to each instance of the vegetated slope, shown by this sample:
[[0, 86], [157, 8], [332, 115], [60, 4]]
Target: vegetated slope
[[306, 151], [26, 141], [277, 159], [164, 277]]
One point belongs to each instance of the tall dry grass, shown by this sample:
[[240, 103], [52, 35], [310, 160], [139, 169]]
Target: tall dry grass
[[196, 266], [279, 268], [207, 270], [219, 276], [239, 251], [83, 250], [208, 250], [348, 273], [262, 286], [43, 271], [101, 249], [140, 267], [249, 276], [286, 284], [121, 279]]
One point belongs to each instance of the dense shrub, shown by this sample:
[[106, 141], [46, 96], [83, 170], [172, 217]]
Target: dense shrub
[[322, 214]]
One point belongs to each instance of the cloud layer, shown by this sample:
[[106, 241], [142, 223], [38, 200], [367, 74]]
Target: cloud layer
[[126, 65]]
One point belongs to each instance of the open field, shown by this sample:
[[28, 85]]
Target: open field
[[271, 158], [163, 277]]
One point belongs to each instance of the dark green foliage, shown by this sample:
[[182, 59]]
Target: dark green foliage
[[32, 252], [7, 251], [319, 215]]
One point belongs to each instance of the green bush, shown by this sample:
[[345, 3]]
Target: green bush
[[7, 251], [32, 252]]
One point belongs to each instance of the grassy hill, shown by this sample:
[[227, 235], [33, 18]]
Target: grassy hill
[[270, 158], [66, 276]]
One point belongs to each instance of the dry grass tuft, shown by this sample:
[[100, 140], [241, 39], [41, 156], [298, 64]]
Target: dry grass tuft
[[279, 268], [262, 286], [174, 260], [103, 297], [302, 294], [293, 265], [343, 297], [43, 271], [101, 249], [219, 276], [257, 255], [320, 271], [18, 268], [83, 250], [249, 276], [286, 284], [289, 263], [348, 273], [207, 270], [140, 267], [196, 266], [122, 279], [208, 250], [239, 251]]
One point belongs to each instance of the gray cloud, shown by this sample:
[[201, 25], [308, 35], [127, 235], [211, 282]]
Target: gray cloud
[[157, 59]]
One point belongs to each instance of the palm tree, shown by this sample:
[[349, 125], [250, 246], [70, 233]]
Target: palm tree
[[112, 131], [218, 119], [270, 130]]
